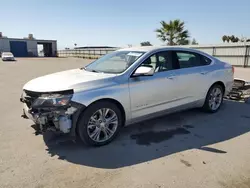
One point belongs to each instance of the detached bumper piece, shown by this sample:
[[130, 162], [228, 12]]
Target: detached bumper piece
[[49, 118], [240, 90]]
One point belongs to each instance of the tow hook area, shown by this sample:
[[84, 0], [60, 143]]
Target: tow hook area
[[55, 120], [51, 119]]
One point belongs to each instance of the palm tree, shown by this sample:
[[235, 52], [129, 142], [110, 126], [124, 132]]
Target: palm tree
[[146, 43], [237, 39], [224, 38], [232, 38], [174, 32]]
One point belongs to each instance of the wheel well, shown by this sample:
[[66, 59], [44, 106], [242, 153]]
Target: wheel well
[[221, 84], [117, 103]]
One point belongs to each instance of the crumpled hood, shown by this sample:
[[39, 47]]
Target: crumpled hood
[[70, 79]]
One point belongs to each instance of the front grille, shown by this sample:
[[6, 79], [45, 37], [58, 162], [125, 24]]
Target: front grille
[[38, 94]]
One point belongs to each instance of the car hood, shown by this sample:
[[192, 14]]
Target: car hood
[[76, 79]]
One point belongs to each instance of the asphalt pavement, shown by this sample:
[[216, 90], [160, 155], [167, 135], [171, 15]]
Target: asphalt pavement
[[187, 149]]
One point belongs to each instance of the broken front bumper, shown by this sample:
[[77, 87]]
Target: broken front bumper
[[26, 113], [61, 119]]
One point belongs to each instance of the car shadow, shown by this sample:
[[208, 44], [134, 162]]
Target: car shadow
[[157, 138]]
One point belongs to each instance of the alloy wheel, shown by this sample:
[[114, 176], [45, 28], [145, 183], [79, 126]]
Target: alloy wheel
[[215, 98], [102, 125]]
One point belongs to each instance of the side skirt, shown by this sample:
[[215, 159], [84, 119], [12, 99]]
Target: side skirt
[[191, 105]]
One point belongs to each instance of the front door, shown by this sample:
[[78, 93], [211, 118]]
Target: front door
[[150, 94]]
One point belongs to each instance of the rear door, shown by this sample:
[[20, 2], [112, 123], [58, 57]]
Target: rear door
[[191, 75]]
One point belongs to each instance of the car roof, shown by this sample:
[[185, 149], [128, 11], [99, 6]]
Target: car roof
[[156, 48], [153, 48]]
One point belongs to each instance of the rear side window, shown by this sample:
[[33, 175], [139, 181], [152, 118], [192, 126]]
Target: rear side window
[[205, 60], [189, 59]]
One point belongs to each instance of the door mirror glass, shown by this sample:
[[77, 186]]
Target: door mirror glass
[[144, 71]]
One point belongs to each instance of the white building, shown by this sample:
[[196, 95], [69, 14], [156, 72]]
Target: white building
[[28, 47]]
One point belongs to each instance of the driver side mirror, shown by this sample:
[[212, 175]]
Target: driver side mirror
[[144, 71]]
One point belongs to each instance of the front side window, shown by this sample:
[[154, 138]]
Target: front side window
[[160, 62], [150, 62], [189, 59], [115, 62]]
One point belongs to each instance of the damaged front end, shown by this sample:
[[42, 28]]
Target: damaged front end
[[51, 110]]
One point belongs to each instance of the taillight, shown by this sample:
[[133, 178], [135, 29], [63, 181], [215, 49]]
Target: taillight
[[233, 69]]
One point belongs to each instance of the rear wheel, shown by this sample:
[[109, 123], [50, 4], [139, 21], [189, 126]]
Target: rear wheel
[[99, 124], [214, 99]]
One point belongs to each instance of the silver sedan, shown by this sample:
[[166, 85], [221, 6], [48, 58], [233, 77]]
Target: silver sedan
[[124, 87]]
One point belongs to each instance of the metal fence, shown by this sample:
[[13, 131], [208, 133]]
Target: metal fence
[[88, 53], [235, 54]]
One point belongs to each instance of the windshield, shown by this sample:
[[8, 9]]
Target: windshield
[[7, 54], [115, 62]]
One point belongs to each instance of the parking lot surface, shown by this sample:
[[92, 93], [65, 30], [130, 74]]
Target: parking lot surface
[[187, 149]]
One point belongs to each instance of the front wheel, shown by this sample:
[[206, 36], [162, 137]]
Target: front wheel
[[214, 99], [99, 124]]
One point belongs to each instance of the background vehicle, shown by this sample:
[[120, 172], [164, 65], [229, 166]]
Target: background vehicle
[[7, 56], [125, 87]]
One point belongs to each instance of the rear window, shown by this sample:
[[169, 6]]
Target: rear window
[[190, 59], [205, 60]]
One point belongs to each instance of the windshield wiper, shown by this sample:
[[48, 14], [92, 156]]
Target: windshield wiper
[[90, 70], [84, 68]]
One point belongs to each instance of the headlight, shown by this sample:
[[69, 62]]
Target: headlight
[[55, 100]]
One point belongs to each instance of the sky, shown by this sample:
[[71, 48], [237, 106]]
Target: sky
[[121, 22]]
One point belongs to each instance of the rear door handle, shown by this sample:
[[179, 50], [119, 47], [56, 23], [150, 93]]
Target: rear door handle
[[170, 77], [204, 72]]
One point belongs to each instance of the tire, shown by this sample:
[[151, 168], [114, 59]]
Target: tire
[[93, 116], [207, 105]]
